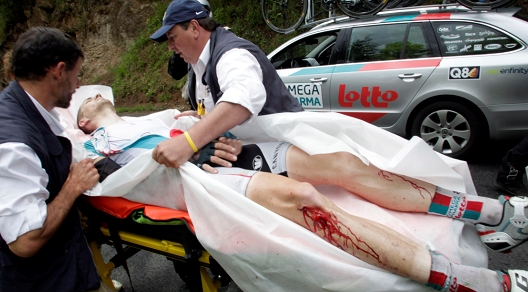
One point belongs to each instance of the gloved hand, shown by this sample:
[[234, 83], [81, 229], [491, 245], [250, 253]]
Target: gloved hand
[[204, 156], [228, 135]]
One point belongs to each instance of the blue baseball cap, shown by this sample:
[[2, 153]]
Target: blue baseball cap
[[179, 11]]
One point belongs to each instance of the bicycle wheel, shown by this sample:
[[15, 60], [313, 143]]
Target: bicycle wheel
[[492, 4], [284, 16], [419, 2], [328, 5], [407, 3], [392, 4], [359, 8]]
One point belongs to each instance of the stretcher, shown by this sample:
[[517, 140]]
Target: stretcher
[[119, 222], [234, 238], [167, 232]]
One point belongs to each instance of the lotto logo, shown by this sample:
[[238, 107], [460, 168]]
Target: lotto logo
[[375, 98], [464, 72]]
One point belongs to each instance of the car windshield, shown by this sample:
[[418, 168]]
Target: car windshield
[[311, 51]]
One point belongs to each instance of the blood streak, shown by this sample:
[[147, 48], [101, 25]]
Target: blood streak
[[386, 175], [330, 227]]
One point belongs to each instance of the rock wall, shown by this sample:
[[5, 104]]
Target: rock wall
[[104, 28]]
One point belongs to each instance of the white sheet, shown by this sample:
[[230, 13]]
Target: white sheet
[[262, 251]]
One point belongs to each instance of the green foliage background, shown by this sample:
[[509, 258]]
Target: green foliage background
[[143, 67], [11, 13], [142, 71]]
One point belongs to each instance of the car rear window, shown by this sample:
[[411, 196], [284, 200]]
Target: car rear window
[[463, 38]]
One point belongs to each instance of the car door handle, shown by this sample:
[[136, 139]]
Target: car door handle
[[319, 79], [412, 75]]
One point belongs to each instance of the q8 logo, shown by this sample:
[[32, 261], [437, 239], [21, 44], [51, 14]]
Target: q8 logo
[[464, 73]]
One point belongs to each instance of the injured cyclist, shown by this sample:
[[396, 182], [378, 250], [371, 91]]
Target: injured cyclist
[[293, 196]]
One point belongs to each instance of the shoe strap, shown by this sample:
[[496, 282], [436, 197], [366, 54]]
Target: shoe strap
[[519, 220]]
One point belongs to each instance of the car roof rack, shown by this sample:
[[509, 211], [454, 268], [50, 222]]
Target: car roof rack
[[422, 9]]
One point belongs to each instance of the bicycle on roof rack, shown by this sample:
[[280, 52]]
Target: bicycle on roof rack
[[486, 4], [285, 16]]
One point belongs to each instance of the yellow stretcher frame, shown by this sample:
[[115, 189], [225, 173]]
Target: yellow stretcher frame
[[188, 255]]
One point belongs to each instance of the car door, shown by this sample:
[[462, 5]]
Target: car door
[[380, 70], [488, 67], [305, 67]]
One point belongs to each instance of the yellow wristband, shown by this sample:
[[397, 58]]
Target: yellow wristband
[[190, 142]]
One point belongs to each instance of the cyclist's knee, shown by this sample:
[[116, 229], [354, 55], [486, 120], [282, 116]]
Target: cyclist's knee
[[306, 194]]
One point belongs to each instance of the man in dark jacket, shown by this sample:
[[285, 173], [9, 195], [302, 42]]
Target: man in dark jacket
[[233, 80], [42, 246]]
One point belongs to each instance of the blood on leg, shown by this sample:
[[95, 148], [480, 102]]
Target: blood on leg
[[369, 241], [368, 181], [327, 226], [389, 177]]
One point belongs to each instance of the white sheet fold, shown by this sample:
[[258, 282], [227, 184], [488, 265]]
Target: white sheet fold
[[263, 251]]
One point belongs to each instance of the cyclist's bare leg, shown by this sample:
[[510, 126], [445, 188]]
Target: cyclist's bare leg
[[367, 240], [380, 187]]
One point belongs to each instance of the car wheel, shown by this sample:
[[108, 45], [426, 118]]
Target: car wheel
[[449, 128]]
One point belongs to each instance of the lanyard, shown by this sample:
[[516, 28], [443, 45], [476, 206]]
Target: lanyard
[[201, 96], [201, 107]]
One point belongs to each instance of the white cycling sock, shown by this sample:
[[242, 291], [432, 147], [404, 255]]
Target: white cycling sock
[[466, 207], [448, 276]]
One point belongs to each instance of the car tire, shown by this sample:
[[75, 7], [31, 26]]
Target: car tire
[[449, 128]]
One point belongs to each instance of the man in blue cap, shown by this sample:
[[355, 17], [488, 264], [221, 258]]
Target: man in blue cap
[[237, 81]]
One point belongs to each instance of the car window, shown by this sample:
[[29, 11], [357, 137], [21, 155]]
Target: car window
[[314, 50], [385, 42], [417, 45], [462, 38]]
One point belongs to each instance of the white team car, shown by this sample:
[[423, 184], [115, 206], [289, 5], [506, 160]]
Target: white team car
[[453, 76]]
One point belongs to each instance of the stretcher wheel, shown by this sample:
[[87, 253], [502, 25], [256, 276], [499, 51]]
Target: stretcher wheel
[[183, 271], [219, 273]]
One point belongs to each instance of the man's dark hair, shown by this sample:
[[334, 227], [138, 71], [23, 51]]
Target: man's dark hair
[[40, 48], [207, 23]]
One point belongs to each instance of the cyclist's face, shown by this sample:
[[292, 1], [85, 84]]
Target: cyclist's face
[[184, 42]]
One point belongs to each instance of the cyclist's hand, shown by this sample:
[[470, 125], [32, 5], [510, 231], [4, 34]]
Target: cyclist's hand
[[234, 143], [187, 113]]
